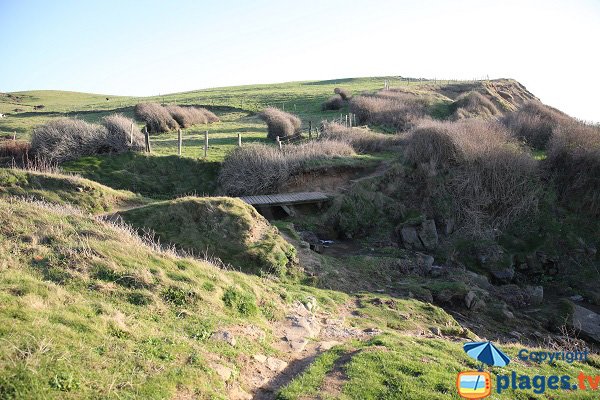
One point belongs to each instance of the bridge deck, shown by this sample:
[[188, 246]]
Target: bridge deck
[[285, 198]]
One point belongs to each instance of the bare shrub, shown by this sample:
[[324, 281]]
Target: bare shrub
[[362, 140], [473, 104], [574, 159], [258, 168], [66, 139], [343, 93], [333, 103], [490, 180], [534, 122], [156, 117], [123, 134], [279, 123], [392, 108], [187, 116]]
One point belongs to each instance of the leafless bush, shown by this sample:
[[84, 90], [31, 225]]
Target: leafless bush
[[574, 159], [343, 93], [279, 123], [491, 180], [66, 139], [156, 117], [333, 103], [391, 108], [257, 169], [473, 104], [362, 140], [123, 134], [534, 122], [187, 116]]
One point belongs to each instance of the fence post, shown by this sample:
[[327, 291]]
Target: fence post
[[346, 120], [278, 141], [14, 135], [239, 139], [147, 139], [205, 144], [309, 130], [179, 142], [131, 135]]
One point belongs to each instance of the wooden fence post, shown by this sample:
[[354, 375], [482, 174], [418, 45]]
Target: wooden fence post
[[131, 135], [147, 139], [239, 139], [205, 144], [14, 135], [278, 141], [346, 120], [309, 130], [179, 142]]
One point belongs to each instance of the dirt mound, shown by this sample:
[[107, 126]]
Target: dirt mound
[[221, 227]]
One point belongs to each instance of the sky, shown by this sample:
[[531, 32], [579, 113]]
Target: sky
[[140, 48]]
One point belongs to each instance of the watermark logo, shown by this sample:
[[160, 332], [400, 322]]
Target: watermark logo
[[474, 384]]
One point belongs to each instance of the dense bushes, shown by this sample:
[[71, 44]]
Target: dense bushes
[[67, 139], [279, 123], [574, 159], [333, 103], [362, 140], [391, 108], [263, 169], [473, 104], [156, 117], [534, 122], [160, 118], [488, 178], [15, 149]]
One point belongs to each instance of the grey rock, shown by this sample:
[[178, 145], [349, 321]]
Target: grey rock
[[503, 274], [436, 331], [507, 313], [470, 299], [436, 271], [223, 371], [425, 262], [224, 336], [576, 297], [275, 364], [428, 234], [410, 238], [587, 321]]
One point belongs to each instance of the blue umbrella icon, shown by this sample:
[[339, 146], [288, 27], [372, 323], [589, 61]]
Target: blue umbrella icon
[[486, 353]]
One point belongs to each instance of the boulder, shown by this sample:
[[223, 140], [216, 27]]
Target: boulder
[[428, 234], [223, 371], [410, 238], [504, 275], [587, 321], [424, 263], [470, 299], [275, 364]]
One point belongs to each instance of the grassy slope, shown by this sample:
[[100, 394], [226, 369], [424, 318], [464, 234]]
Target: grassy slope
[[218, 226], [63, 189], [88, 310]]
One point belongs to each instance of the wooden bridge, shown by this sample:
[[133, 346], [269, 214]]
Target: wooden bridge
[[285, 200]]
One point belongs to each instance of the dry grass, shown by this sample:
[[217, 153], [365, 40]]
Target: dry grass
[[362, 140], [391, 108], [491, 181], [17, 150], [534, 122], [574, 159], [472, 105], [279, 123], [333, 103], [156, 117], [262, 169], [343, 93]]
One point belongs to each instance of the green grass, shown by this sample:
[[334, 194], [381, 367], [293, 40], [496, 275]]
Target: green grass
[[222, 227], [63, 189], [84, 304], [394, 366], [150, 175]]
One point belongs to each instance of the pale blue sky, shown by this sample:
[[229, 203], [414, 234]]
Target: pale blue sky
[[151, 47]]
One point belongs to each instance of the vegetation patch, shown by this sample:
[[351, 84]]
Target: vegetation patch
[[220, 227]]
